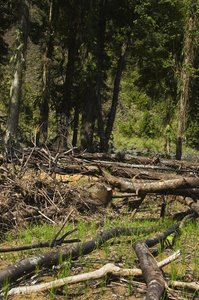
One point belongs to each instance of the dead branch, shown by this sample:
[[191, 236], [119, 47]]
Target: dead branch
[[151, 272], [165, 186], [187, 285], [179, 166], [54, 242], [50, 258], [106, 269]]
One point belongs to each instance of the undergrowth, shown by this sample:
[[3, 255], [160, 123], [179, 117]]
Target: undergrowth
[[116, 250]]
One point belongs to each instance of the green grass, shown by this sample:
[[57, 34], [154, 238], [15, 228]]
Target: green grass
[[148, 145], [118, 247]]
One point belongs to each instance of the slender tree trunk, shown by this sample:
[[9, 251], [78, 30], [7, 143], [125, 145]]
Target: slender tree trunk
[[112, 113], [190, 43], [100, 55], [88, 119], [19, 65], [75, 128], [44, 108], [65, 108]]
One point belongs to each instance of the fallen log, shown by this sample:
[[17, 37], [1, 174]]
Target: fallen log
[[50, 258], [138, 173], [141, 160], [106, 269], [163, 186], [151, 272]]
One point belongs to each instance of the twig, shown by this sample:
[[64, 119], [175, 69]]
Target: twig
[[55, 237], [187, 285], [40, 245], [24, 166], [47, 218]]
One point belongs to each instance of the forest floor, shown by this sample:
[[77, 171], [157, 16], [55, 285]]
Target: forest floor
[[38, 197]]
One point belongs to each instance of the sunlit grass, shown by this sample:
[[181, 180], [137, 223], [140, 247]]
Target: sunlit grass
[[116, 248], [148, 146]]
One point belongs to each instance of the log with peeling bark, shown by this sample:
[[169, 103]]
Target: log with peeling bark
[[143, 188], [151, 272], [24, 267], [106, 269]]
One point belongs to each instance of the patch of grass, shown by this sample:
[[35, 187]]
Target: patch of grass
[[148, 145], [118, 249]]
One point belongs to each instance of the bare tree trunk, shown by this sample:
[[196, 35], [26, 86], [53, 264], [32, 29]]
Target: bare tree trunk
[[112, 113], [100, 54], [190, 43], [19, 65], [44, 109], [75, 128], [64, 110], [88, 119]]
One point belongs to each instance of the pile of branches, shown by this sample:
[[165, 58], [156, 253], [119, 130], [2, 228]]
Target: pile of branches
[[30, 190]]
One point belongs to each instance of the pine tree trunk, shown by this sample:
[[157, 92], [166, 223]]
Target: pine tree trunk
[[190, 43], [100, 55], [19, 65], [44, 108], [75, 128], [88, 119], [64, 110], [112, 113]]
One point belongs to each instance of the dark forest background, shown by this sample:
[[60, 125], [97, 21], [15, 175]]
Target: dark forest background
[[100, 74]]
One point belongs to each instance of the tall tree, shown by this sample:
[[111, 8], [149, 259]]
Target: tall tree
[[99, 72], [112, 113], [191, 38], [66, 38], [42, 132], [19, 65]]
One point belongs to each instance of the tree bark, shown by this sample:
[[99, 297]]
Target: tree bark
[[151, 272], [99, 79], [88, 118], [75, 127], [116, 89], [19, 66], [190, 44], [163, 186], [24, 267], [64, 109], [192, 204], [44, 108]]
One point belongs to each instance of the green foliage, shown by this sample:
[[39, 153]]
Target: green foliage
[[150, 80], [147, 126]]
